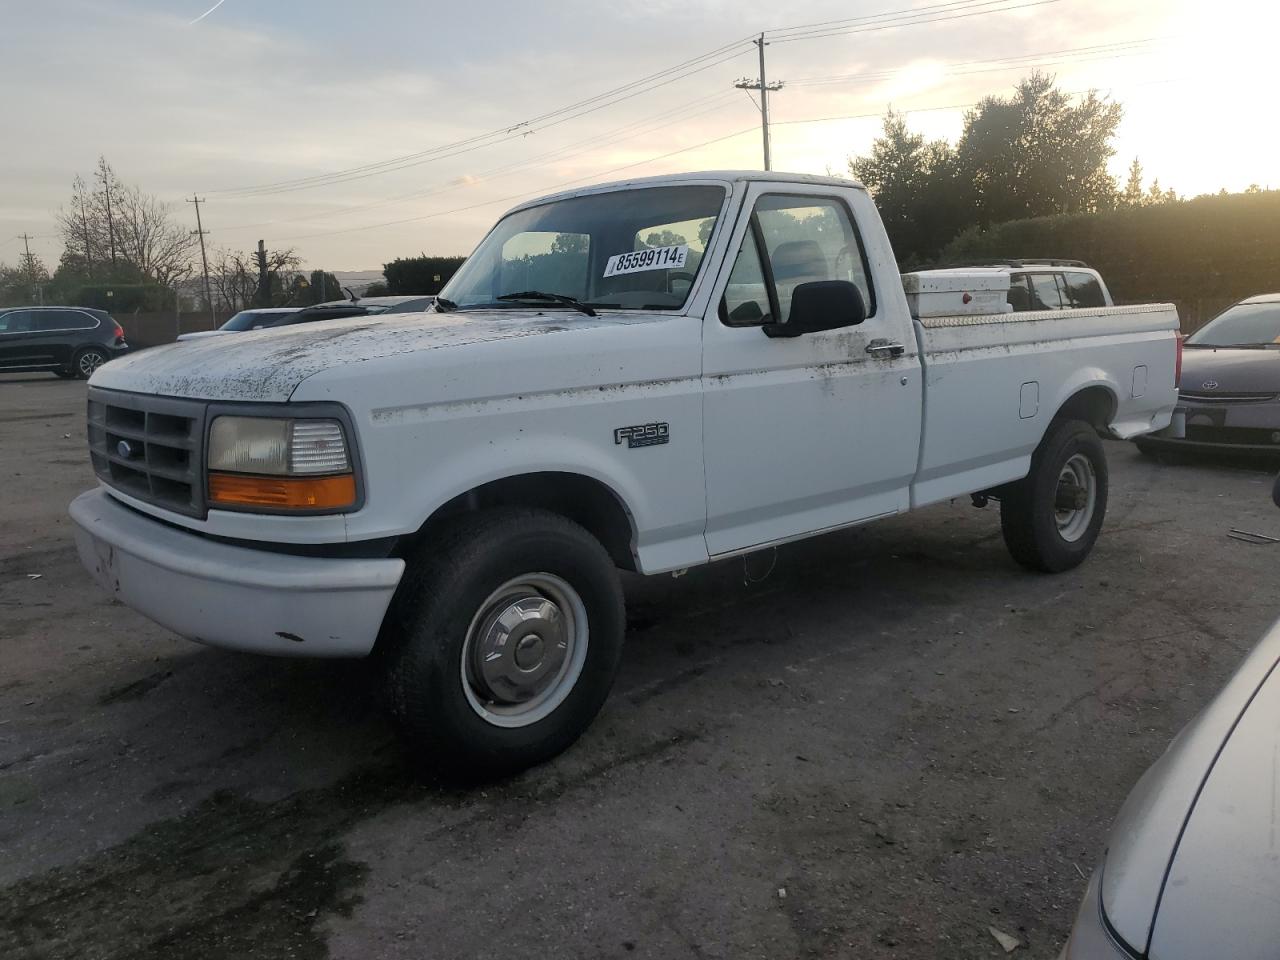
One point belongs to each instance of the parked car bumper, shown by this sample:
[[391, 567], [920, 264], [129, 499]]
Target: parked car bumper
[[233, 596], [1090, 937], [1244, 427]]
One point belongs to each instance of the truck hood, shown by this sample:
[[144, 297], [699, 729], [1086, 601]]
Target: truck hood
[[268, 365], [1216, 780], [1240, 371]]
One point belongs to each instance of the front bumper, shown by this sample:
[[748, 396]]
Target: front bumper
[[1090, 937], [1225, 427], [233, 596]]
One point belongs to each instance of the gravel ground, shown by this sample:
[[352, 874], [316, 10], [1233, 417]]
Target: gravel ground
[[879, 743]]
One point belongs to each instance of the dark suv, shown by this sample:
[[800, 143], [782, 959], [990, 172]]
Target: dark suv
[[68, 341]]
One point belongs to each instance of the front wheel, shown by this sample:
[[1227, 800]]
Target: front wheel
[[1051, 518], [504, 640]]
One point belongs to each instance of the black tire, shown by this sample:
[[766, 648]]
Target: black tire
[[88, 360], [1029, 517], [444, 594]]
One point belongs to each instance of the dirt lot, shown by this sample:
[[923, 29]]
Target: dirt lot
[[890, 741]]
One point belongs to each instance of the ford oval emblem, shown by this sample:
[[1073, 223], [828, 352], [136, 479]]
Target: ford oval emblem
[[1210, 385], [124, 449]]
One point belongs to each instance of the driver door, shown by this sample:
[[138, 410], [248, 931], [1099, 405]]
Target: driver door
[[817, 431]]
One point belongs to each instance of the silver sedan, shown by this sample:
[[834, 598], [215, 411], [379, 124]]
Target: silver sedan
[[1192, 870]]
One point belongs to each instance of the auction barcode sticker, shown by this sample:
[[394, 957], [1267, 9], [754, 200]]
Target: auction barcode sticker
[[655, 258]]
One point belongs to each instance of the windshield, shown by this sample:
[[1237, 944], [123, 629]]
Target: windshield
[[248, 319], [1244, 325], [637, 249]]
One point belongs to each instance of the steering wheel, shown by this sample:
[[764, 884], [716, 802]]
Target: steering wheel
[[678, 275]]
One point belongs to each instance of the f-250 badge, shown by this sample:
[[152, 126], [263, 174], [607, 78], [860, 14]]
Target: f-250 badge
[[643, 435]]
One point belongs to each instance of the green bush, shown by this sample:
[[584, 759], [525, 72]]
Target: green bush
[[420, 275]]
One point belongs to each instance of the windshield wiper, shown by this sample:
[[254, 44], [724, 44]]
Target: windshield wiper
[[444, 306], [553, 297]]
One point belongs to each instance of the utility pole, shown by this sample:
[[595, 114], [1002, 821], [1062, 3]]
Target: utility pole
[[200, 232], [763, 85], [27, 265]]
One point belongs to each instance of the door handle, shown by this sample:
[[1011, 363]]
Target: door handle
[[881, 347]]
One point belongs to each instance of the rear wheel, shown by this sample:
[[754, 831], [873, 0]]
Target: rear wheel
[[88, 360], [504, 640], [1052, 517]]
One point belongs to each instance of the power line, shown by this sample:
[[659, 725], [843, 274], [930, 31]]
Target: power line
[[530, 193], [510, 132], [1085, 54], [887, 20], [565, 152], [976, 9]]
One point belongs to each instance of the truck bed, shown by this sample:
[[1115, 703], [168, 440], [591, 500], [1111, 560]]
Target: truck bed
[[972, 375]]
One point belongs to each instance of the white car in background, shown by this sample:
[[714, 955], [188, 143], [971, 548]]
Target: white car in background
[[259, 318], [1033, 284]]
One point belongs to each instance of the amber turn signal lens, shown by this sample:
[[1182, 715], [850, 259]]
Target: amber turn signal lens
[[283, 493]]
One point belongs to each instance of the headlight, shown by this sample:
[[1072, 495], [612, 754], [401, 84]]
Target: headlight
[[285, 464]]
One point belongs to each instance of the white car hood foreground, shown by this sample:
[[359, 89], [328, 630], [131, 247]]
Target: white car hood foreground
[[268, 365], [1212, 803]]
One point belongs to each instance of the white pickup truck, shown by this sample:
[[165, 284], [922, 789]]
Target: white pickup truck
[[645, 375]]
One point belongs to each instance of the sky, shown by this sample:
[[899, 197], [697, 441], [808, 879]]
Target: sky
[[186, 99]]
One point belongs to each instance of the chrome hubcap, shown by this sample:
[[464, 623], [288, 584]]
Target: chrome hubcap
[[524, 650], [1075, 497], [90, 362]]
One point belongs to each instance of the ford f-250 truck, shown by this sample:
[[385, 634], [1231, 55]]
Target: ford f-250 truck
[[645, 375]]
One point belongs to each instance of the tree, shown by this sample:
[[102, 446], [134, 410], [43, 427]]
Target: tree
[[420, 275], [265, 278], [377, 289], [1132, 195], [23, 285], [1037, 153], [916, 187], [271, 266], [1033, 154], [114, 232]]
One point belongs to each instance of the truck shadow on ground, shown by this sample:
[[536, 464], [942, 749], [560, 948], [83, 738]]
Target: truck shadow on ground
[[264, 765]]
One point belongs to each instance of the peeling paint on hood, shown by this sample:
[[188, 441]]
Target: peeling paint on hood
[[268, 365]]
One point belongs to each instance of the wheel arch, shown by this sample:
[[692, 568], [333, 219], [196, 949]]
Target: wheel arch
[[1095, 403], [586, 500]]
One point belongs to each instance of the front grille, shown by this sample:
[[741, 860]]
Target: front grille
[[1256, 436], [149, 448], [1226, 398]]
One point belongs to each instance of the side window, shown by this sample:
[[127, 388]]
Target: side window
[[51, 321], [17, 321], [808, 239], [746, 298], [540, 260], [1044, 292], [1083, 290], [1019, 292]]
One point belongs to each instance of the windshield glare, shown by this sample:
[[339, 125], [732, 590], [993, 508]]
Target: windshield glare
[[637, 249], [1244, 325]]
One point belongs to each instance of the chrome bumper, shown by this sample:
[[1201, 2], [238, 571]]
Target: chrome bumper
[[233, 596]]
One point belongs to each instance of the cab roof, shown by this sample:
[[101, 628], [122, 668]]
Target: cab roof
[[703, 176]]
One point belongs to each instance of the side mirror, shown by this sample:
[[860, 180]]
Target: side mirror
[[821, 305]]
